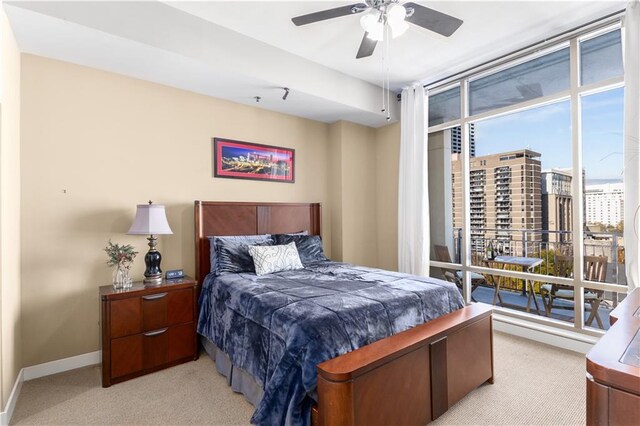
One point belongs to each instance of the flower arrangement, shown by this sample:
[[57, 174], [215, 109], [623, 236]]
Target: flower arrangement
[[120, 255]]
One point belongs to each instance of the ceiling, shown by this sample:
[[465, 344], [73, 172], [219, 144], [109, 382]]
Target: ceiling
[[490, 29], [236, 50]]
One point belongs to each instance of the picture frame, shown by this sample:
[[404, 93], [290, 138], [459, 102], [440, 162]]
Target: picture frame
[[234, 159]]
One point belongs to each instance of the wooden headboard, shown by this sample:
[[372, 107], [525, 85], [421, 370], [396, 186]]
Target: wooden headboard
[[214, 218]]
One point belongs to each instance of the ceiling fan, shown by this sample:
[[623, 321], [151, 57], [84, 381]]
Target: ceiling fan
[[386, 13]]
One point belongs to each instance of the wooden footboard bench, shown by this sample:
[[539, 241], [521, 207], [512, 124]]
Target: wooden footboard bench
[[410, 378]]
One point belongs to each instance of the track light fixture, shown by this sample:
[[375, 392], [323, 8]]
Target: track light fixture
[[286, 93]]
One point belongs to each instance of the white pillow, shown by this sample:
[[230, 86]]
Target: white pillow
[[270, 259]]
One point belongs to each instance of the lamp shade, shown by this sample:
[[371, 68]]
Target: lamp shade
[[150, 220]]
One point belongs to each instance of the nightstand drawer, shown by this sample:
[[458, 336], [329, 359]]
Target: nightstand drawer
[[139, 352], [151, 312], [151, 349]]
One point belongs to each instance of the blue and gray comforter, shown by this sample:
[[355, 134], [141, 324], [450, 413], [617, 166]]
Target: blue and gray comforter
[[278, 327]]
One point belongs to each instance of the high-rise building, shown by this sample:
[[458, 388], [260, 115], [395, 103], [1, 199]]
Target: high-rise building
[[456, 140], [557, 211], [604, 203], [505, 198]]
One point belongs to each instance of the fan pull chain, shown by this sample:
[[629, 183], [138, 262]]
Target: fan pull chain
[[388, 41], [386, 71], [384, 58]]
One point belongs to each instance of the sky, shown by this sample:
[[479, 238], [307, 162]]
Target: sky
[[228, 151], [547, 130]]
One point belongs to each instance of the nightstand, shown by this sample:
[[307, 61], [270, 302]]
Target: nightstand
[[147, 328]]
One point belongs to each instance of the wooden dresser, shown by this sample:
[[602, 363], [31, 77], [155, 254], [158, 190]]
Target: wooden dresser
[[147, 328], [613, 369]]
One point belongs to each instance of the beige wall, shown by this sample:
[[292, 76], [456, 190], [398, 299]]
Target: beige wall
[[387, 165], [334, 174], [94, 144], [10, 330], [353, 174]]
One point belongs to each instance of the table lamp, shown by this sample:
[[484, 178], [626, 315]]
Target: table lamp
[[151, 220]]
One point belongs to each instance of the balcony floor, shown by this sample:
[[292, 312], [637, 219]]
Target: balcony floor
[[516, 301]]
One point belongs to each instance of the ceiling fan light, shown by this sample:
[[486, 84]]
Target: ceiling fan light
[[396, 14], [376, 33], [398, 28], [370, 20]]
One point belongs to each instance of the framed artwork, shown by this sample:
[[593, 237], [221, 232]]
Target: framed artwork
[[245, 160]]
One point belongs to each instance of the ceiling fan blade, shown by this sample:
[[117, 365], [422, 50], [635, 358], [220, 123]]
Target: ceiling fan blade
[[329, 14], [433, 20], [366, 47], [530, 91]]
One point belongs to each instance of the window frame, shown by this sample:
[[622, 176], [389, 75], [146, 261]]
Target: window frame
[[574, 95]]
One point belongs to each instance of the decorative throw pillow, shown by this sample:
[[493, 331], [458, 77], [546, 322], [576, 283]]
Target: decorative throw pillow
[[270, 259], [234, 257], [244, 259], [309, 246]]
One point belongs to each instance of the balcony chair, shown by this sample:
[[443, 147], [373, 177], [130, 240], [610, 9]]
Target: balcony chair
[[595, 269], [442, 255]]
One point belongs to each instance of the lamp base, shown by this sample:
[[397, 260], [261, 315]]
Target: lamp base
[[153, 273], [153, 280]]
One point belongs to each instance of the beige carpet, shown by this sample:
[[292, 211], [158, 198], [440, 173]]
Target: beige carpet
[[535, 385]]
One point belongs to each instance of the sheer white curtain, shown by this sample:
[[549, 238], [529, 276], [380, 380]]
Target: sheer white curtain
[[632, 142], [413, 197]]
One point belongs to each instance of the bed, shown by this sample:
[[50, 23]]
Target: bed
[[335, 343]]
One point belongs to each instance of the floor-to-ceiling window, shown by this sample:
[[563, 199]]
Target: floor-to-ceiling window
[[526, 181]]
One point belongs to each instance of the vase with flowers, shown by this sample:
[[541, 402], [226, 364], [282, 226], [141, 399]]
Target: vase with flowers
[[120, 256]]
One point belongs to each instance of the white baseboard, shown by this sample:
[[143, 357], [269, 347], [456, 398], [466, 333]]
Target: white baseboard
[[46, 369], [564, 339], [5, 416], [61, 365]]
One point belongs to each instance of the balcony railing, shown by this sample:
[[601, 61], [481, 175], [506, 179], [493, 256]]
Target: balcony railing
[[544, 244]]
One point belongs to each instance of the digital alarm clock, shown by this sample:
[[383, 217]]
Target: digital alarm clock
[[174, 274]]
